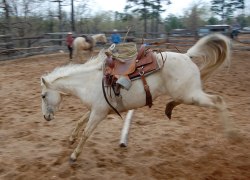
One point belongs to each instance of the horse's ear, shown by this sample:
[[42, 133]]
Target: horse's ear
[[45, 83]]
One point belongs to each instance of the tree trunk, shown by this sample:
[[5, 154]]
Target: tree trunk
[[145, 18], [7, 17], [72, 16]]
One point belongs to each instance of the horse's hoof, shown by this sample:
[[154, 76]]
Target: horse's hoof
[[71, 142], [123, 145], [72, 161], [168, 114], [233, 136], [73, 157], [168, 110]]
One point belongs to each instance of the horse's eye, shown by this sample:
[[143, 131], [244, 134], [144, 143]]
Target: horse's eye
[[43, 96]]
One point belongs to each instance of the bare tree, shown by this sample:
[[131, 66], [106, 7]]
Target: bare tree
[[142, 7], [157, 9], [194, 16]]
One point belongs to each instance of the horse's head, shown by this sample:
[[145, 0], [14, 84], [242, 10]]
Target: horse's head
[[51, 100], [103, 38]]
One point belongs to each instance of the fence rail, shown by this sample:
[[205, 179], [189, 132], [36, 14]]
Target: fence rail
[[15, 47]]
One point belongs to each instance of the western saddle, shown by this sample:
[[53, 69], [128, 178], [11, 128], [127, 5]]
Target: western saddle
[[130, 67], [89, 40]]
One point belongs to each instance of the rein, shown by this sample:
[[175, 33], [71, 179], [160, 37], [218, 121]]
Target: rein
[[105, 96]]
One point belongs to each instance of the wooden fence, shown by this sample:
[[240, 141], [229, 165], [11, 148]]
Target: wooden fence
[[17, 47]]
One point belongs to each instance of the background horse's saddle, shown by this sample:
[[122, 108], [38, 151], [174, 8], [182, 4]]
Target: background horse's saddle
[[89, 40]]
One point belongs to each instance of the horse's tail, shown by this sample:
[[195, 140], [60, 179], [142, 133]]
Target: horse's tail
[[214, 50]]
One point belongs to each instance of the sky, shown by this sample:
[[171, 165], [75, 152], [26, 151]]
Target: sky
[[177, 7]]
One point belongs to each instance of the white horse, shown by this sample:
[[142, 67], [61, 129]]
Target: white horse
[[179, 77], [86, 43]]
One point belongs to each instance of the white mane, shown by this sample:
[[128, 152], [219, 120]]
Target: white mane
[[99, 58], [93, 63]]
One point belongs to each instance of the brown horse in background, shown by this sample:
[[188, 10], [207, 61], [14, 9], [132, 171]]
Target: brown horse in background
[[86, 43]]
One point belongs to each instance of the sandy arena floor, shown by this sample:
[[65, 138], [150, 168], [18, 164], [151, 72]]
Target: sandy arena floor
[[190, 146]]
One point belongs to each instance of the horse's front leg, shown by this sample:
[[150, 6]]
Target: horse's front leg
[[94, 119], [79, 124]]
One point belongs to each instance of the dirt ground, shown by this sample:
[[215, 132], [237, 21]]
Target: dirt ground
[[190, 146]]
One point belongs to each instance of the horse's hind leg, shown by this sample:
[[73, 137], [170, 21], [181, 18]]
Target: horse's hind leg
[[75, 53], [214, 101], [94, 119], [79, 125]]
